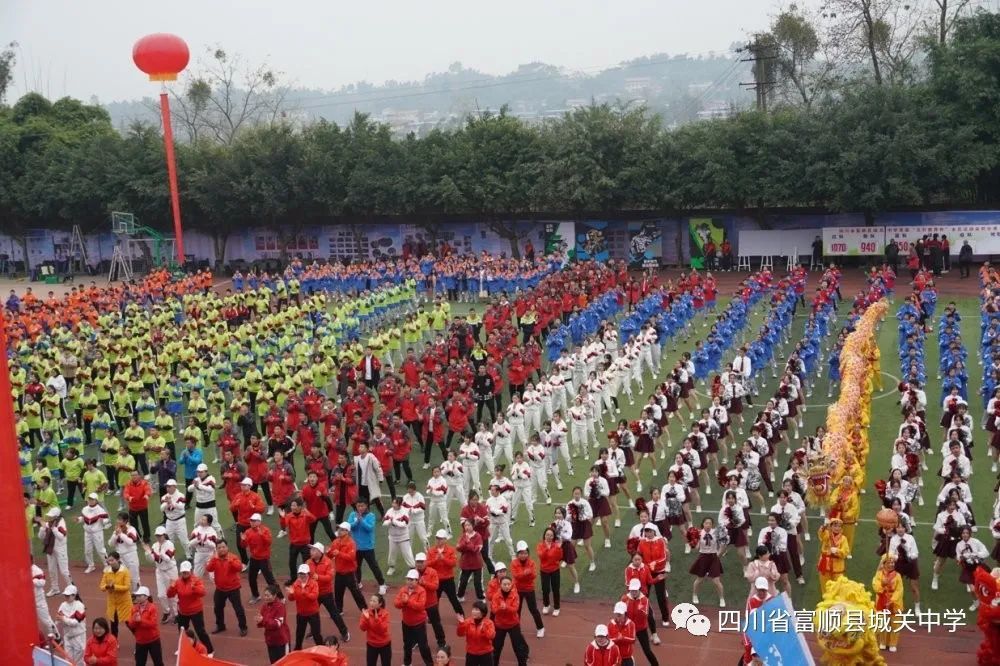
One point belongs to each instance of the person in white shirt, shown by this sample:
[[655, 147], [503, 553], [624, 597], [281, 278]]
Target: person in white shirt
[[72, 616], [623, 372], [564, 364], [369, 477], [203, 488], [95, 520], [578, 428], [558, 443], [41, 604], [581, 517], [161, 554], [52, 533], [743, 367], [732, 397], [437, 501], [904, 547], [532, 400], [202, 542], [415, 504], [558, 385], [503, 440], [521, 473], [174, 513], [788, 518], [498, 510], [515, 417], [947, 531], [125, 540], [597, 492], [545, 393], [454, 475], [775, 539], [484, 440], [955, 461], [593, 411], [536, 457], [469, 454], [397, 520], [970, 553]]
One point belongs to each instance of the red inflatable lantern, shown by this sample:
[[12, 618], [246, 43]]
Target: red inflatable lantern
[[162, 56]]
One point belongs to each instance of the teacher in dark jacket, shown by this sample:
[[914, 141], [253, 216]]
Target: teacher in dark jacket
[[965, 259]]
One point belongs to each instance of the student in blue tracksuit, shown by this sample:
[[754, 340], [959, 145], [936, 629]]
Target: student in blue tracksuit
[[362, 522]]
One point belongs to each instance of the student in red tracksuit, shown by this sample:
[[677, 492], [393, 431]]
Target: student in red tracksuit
[[227, 569], [305, 593], [507, 619], [271, 618], [318, 503], [257, 541], [479, 633], [412, 601], [190, 592], [442, 557], [429, 581], [601, 651], [621, 631], [638, 611], [321, 568], [245, 504], [550, 557], [102, 646], [145, 624], [375, 624], [297, 522], [522, 568], [343, 552]]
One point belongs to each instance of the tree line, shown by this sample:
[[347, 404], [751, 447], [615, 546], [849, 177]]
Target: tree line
[[864, 145]]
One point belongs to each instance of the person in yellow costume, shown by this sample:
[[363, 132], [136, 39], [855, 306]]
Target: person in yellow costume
[[847, 506], [116, 582], [834, 550], [888, 588]]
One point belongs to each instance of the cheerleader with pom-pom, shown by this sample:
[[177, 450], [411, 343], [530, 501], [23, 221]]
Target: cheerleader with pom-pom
[[581, 518], [775, 538], [563, 529], [947, 532], [597, 491], [708, 564], [733, 520], [673, 498], [683, 472], [646, 431], [971, 553], [903, 547], [617, 465]]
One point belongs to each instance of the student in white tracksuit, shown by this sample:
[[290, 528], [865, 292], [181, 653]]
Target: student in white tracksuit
[[484, 440], [161, 554], [202, 542], [470, 456], [397, 520], [532, 400], [590, 402], [454, 476], [203, 488], [414, 503], [521, 474], [515, 417], [544, 389], [72, 617], [564, 366], [503, 440], [559, 393], [52, 533], [498, 511], [535, 455], [559, 443], [437, 501], [95, 520], [125, 540], [578, 427], [41, 604], [174, 511]]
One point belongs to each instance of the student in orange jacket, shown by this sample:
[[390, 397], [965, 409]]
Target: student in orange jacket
[[297, 523], [145, 624], [522, 568], [479, 633], [375, 624], [442, 557], [322, 571], [190, 593], [412, 600], [102, 646], [507, 618], [226, 567], [429, 581], [637, 610], [550, 557], [245, 504], [257, 541], [601, 651], [305, 593], [621, 631], [343, 552]]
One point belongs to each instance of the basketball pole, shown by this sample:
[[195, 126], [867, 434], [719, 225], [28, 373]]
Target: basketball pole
[[20, 628], [175, 199]]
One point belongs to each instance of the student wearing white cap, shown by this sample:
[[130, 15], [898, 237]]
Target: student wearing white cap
[[94, 519], [161, 554], [621, 631], [257, 541], [305, 593], [189, 592], [524, 573], [602, 651], [343, 552], [412, 601], [202, 490], [174, 509], [429, 581], [72, 617], [41, 605], [145, 626], [52, 532]]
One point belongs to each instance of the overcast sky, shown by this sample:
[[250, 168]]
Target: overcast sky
[[79, 48]]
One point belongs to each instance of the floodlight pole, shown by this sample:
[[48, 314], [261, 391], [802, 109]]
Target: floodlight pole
[[175, 199]]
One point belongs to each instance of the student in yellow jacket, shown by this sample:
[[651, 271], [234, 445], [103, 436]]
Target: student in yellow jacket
[[117, 584], [888, 588]]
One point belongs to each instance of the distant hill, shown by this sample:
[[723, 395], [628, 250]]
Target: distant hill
[[680, 87]]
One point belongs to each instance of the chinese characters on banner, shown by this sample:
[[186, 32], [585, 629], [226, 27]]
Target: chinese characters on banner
[[860, 241], [853, 241]]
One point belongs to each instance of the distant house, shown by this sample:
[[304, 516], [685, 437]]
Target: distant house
[[638, 85]]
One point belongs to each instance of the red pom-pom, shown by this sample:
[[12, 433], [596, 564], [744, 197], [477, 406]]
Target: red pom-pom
[[640, 504], [723, 476], [880, 488], [693, 536], [632, 546]]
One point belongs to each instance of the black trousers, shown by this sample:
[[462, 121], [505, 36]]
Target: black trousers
[[490, 406], [152, 651], [71, 489], [240, 529], [302, 622], [529, 598], [256, 567], [266, 489], [434, 617], [477, 580], [479, 659], [375, 655], [347, 582], [276, 653], [400, 467], [662, 601], [642, 637], [416, 637], [517, 642], [327, 527], [294, 551], [137, 517], [429, 446], [793, 555], [368, 557], [550, 585], [141, 463], [233, 597], [446, 587], [197, 622], [326, 601]]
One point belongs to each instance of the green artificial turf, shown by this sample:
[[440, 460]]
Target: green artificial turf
[[606, 583]]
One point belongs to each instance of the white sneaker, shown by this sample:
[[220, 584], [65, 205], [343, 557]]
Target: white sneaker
[[426, 466], [282, 534], [800, 580], [89, 569], [881, 647], [576, 590], [607, 543], [546, 610], [540, 633], [668, 567], [656, 640], [618, 522], [698, 509], [548, 500], [555, 613], [52, 593], [559, 485], [638, 489], [975, 605], [892, 648], [390, 571], [722, 603], [592, 567], [994, 468], [934, 583], [382, 589], [687, 548], [665, 623], [806, 537], [270, 510], [708, 490], [694, 599], [916, 608], [654, 471]]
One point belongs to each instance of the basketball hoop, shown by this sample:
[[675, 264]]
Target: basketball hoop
[[122, 223]]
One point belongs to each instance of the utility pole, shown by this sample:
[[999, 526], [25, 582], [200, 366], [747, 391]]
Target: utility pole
[[763, 52]]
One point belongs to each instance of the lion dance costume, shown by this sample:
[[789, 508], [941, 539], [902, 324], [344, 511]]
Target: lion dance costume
[[844, 643], [987, 585]]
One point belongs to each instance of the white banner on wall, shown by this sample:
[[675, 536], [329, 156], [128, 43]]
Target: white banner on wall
[[853, 241], [984, 238]]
